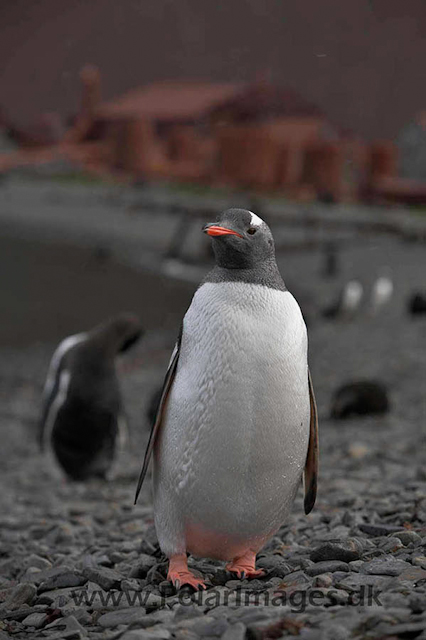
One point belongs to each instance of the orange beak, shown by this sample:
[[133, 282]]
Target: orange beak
[[215, 230]]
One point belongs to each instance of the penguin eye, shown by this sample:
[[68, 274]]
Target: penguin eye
[[251, 230]]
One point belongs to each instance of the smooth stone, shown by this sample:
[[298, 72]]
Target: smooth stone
[[327, 567], [404, 630], [356, 565], [323, 580], [385, 567], [295, 578], [122, 616], [406, 536], [330, 551], [24, 593], [378, 529], [414, 574], [144, 563], [62, 580], [420, 561], [106, 578], [391, 544], [186, 612], [68, 627], [207, 626], [146, 634], [34, 560], [131, 584], [274, 566], [36, 620], [236, 631]]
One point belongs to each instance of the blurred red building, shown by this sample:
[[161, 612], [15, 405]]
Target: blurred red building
[[257, 136]]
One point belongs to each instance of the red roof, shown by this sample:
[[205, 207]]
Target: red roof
[[171, 100], [189, 100]]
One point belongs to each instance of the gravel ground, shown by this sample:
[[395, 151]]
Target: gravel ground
[[79, 561]]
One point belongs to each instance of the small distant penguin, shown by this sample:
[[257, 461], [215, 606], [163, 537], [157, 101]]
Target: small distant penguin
[[362, 397], [330, 260], [82, 415], [381, 292], [417, 304], [236, 426], [348, 302]]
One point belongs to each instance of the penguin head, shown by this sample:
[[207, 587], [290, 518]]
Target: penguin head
[[241, 240], [119, 333]]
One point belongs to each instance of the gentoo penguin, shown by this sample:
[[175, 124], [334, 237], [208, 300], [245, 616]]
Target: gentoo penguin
[[362, 397], [237, 421], [82, 411], [348, 301], [381, 292], [417, 304]]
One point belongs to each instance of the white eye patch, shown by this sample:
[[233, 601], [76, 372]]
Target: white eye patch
[[255, 220]]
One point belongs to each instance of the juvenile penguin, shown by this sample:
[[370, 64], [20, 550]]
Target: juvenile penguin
[[237, 422], [82, 414]]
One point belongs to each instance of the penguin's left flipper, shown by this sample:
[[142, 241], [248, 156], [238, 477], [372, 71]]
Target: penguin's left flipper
[[167, 385], [311, 464]]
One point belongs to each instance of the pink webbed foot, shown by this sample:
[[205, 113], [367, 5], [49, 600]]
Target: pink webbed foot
[[179, 574], [244, 566]]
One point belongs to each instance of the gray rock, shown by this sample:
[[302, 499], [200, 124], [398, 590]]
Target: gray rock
[[387, 567], [404, 630], [295, 578], [390, 544], [68, 627], [323, 580], [274, 566], [356, 565], [236, 631], [62, 580], [186, 612], [122, 616], [36, 620], [378, 529], [132, 585], [328, 566], [406, 536], [146, 634], [330, 551], [24, 593], [106, 578], [144, 564], [185, 634], [420, 561], [206, 626], [34, 560]]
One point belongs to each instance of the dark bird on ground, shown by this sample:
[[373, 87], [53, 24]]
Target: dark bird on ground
[[363, 397], [236, 428], [417, 304], [82, 417]]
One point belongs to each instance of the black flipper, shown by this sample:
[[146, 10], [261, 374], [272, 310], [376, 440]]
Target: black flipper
[[167, 385], [311, 465]]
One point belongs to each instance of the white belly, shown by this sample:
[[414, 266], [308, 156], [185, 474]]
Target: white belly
[[235, 435]]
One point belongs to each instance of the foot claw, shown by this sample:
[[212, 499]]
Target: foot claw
[[182, 578], [244, 572]]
